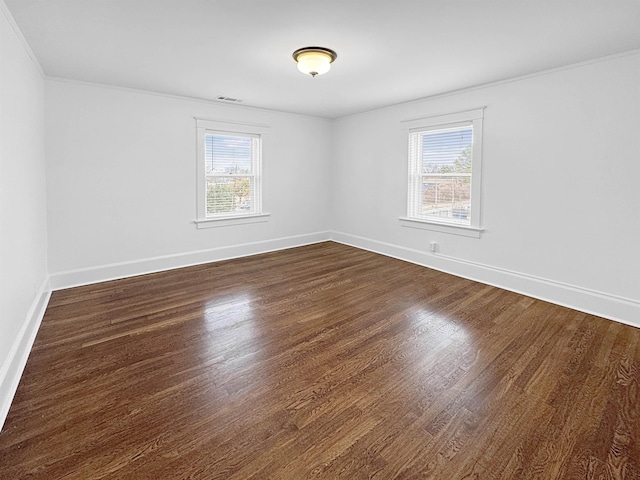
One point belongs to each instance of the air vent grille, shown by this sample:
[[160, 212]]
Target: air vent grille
[[228, 99]]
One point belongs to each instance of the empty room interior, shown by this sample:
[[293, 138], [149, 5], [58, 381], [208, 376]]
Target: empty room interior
[[343, 239]]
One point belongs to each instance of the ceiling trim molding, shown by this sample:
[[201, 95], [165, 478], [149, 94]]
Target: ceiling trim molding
[[495, 83], [173, 96], [606, 58], [21, 39]]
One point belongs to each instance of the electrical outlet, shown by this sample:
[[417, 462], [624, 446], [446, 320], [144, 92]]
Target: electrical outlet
[[433, 246]]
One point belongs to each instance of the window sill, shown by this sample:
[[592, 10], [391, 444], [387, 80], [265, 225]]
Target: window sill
[[228, 221], [452, 228]]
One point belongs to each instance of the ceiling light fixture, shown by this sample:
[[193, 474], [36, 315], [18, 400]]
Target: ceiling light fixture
[[314, 60]]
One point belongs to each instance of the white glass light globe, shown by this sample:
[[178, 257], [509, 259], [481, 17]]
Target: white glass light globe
[[314, 63]]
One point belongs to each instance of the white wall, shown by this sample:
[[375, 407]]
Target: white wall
[[121, 173], [561, 201], [23, 287]]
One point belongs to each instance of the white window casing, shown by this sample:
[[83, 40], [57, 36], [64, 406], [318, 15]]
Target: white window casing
[[229, 173], [445, 173]]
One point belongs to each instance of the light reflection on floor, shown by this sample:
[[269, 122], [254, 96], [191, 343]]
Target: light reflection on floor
[[234, 336], [439, 325], [445, 342]]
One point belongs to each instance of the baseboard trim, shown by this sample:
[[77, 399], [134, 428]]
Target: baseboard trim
[[12, 368], [114, 271], [619, 309]]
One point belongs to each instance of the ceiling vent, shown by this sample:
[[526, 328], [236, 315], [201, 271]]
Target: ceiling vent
[[228, 99]]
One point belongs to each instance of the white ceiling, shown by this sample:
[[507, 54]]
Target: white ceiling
[[388, 51]]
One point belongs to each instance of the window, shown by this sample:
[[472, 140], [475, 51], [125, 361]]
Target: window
[[229, 173], [444, 172], [232, 166]]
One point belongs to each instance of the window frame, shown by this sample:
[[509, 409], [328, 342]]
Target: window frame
[[219, 127], [475, 119]]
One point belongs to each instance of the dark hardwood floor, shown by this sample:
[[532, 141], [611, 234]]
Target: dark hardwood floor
[[322, 361]]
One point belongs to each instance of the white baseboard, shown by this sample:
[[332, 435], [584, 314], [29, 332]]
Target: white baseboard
[[619, 309], [12, 368], [114, 271]]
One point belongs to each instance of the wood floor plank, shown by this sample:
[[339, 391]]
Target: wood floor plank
[[322, 361]]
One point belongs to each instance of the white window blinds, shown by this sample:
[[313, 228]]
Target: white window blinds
[[440, 174], [232, 173]]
